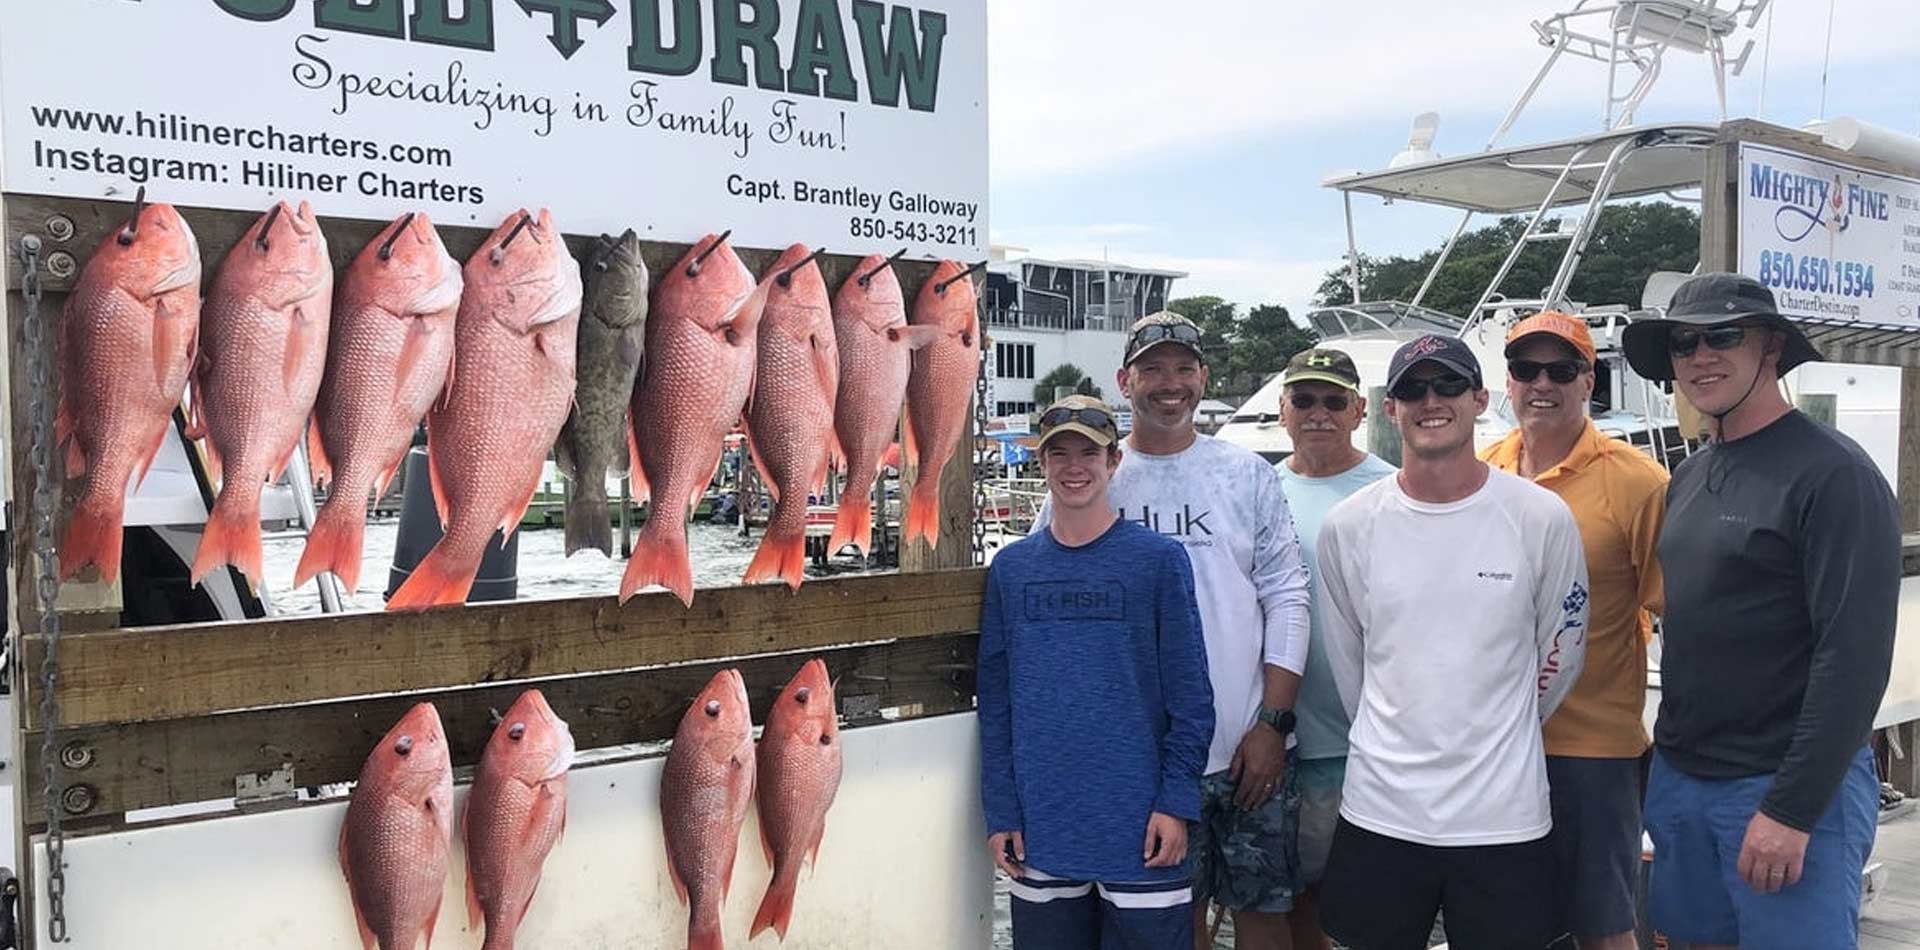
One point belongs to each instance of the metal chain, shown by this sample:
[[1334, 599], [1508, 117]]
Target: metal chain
[[980, 439], [48, 589]]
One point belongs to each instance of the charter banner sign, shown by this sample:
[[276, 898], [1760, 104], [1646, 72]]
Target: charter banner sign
[[1831, 241], [854, 125]]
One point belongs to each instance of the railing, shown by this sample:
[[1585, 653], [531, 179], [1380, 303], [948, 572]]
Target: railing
[[1035, 320]]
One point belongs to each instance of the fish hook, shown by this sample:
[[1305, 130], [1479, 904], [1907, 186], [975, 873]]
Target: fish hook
[[786, 276], [272, 216], [889, 262], [133, 224], [386, 247], [500, 253], [693, 269], [941, 287]]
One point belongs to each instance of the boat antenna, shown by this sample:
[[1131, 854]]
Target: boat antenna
[[1766, 64], [386, 246], [883, 265], [693, 267], [786, 276], [133, 224], [500, 253], [941, 287], [1828, 61], [260, 241]]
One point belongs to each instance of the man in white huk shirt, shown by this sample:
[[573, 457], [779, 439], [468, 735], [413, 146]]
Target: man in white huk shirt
[[1226, 506], [1454, 605]]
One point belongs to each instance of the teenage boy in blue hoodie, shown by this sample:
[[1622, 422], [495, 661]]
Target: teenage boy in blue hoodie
[[1095, 710]]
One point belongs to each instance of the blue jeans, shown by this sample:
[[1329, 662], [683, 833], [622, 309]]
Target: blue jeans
[[1697, 895]]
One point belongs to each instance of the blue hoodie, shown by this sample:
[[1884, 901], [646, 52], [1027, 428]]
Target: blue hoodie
[[1094, 704]]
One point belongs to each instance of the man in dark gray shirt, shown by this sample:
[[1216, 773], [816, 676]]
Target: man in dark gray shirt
[[1782, 555]]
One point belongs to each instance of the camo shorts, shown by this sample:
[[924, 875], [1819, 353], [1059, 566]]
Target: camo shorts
[[1247, 860]]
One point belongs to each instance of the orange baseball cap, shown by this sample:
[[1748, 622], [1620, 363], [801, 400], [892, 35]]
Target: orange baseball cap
[[1568, 329]]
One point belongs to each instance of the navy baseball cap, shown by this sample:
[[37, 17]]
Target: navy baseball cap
[[1448, 351]]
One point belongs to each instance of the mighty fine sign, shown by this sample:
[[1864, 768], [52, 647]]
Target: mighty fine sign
[[851, 124]]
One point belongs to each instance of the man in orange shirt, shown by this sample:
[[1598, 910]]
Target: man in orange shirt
[[1596, 738]]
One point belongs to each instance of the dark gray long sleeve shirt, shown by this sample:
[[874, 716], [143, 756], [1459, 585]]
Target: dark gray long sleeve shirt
[[1782, 560]]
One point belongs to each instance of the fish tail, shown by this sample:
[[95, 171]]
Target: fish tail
[[853, 524], [659, 557], [232, 534], [589, 520], [703, 931], [93, 535], [923, 510], [776, 909], [334, 543], [781, 556], [442, 577]]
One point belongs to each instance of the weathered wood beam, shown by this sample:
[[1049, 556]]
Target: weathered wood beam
[[148, 673], [139, 765]]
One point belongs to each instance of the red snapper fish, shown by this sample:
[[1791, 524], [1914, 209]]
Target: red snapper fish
[[799, 772], [515, 813], [939, 390], [263, 349], [704, 793], [486, 444], [398, 833], [702, 335], [875, 346], [388, 359], [126, 346], [790, 414]]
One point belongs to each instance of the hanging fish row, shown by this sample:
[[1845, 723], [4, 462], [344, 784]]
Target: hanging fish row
[[487, 356], [395, 841]]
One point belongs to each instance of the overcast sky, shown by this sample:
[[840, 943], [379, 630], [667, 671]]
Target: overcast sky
[[1200, 145]]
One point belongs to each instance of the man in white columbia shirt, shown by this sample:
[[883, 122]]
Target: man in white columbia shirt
[[1225, 504], [1454, 605]]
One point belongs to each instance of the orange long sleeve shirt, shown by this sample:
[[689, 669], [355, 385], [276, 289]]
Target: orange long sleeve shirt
[[1618, 496]]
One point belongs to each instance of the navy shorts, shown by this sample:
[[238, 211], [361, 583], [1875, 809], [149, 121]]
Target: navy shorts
[[1054, 914], [1596, 841], [1696, 893], [1247, 860]]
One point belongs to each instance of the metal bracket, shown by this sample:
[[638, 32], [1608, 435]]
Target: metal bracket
[[256, 789]]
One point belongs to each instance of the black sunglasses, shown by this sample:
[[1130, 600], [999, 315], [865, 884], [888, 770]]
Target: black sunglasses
[[1160, 332], [1560, 371], [1094, 418], [1685, 342], [1414, 390], [1305, 402]]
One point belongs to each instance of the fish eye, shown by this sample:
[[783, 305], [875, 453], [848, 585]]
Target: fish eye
[[826, 739], [516, 730], [713, 707], [801, 694], [403, 745]]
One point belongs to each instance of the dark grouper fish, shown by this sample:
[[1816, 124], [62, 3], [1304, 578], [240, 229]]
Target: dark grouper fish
[[613, 330]]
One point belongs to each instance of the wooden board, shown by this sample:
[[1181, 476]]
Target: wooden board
[[150, 764], [88, 222], [150, 673], [1908, 467]]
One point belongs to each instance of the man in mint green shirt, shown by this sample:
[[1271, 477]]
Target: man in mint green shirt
[[1321, 406]]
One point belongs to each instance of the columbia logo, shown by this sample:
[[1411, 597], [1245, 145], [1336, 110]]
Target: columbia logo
[[1494, 575]]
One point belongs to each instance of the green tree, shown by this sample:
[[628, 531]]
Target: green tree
[[1066, 374], [1630, 242], [1242, 352]]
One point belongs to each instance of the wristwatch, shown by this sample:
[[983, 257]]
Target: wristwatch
[[1280, 719]]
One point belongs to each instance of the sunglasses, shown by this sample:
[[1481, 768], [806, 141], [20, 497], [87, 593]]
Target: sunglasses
[[1090, 417], [1160, 332], [1306, 401], [1684, 342], [1560, 371], [1446, 387]]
